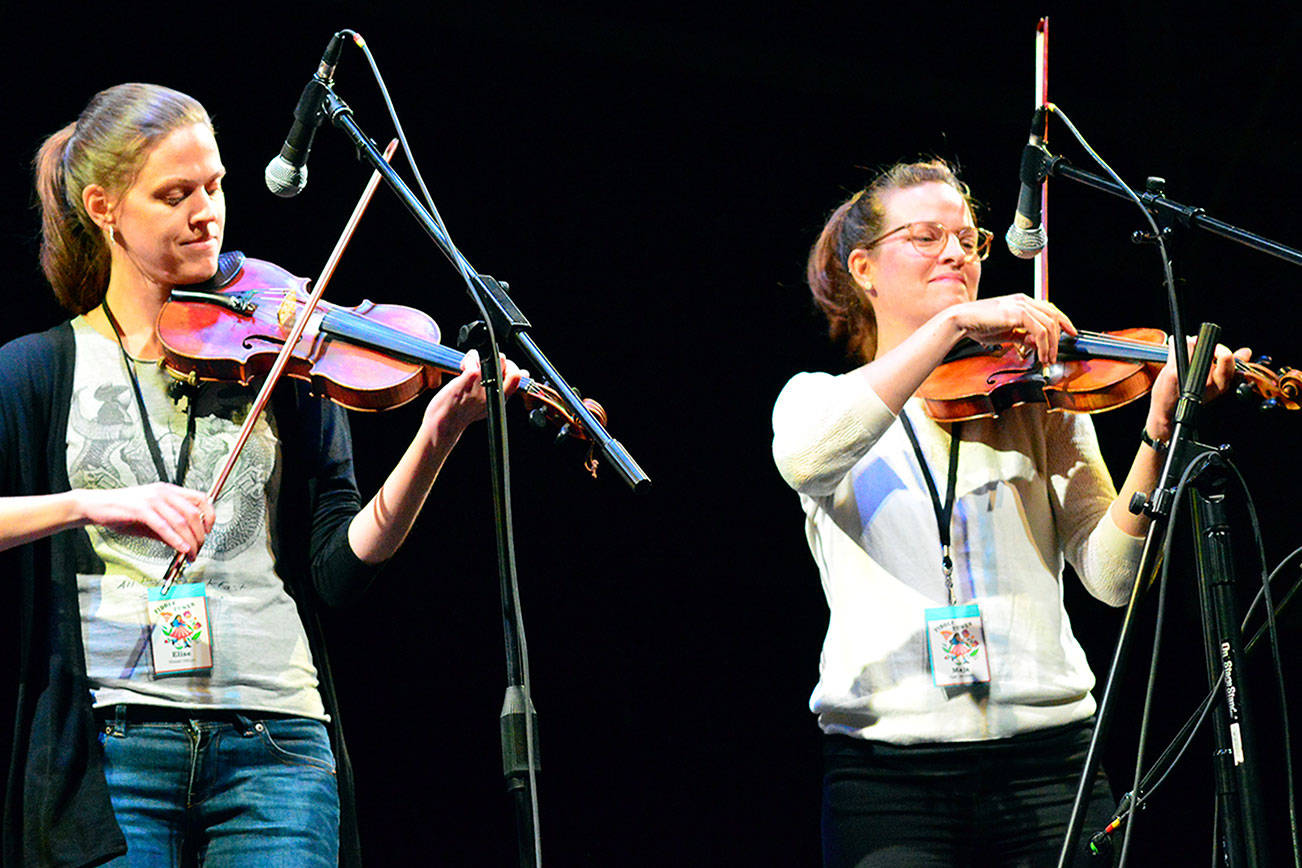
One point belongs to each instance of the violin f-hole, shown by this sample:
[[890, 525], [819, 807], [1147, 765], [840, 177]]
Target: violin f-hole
[[249, 340]]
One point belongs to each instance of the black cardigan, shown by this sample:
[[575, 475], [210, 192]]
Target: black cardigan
[[57, 810]]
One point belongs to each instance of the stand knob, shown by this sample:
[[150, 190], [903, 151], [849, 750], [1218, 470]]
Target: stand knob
[[1137, 502]]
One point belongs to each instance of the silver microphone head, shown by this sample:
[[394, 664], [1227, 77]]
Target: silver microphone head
[[1025, 243], [284, 178]]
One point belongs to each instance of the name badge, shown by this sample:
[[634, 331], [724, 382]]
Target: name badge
[[179, 637], [956, 646]]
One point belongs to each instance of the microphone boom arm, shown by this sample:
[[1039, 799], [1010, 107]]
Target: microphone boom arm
[[505, 315], [1168, 212]]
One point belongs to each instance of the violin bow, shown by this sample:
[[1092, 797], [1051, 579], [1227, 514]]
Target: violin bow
[[282, 358], [1041, 286]]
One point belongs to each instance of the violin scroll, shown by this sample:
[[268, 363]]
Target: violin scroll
[[1273, 390], [548, 411]]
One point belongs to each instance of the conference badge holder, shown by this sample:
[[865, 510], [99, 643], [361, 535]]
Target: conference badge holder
[[180, 636]]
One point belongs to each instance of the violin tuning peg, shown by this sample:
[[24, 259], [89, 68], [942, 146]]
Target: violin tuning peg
[[538, 417], [563, 434], [1245, 392], [1269, 404], [1265, 361]]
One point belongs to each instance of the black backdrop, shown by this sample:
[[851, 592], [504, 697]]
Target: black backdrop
[[649, 182]]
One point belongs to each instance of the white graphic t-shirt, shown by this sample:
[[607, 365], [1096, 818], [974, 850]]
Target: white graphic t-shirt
[[261, 660]]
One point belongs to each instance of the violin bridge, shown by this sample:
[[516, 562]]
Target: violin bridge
[[286, 312]]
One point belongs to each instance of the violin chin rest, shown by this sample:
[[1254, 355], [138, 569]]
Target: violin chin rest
[[228, 268], [229, 265]]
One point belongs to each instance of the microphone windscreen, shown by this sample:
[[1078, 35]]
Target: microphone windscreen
[[284, 178], [1025, 243]]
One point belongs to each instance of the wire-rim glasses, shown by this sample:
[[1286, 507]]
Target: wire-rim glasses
[[930, 239]]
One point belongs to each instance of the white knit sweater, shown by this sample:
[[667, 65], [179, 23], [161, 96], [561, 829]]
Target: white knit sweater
[[1032, 487]]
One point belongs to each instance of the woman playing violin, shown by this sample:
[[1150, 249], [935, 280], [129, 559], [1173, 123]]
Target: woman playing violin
[[954, 699], [200, 725]]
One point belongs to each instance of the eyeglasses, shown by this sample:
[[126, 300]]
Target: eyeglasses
[[931, 239]]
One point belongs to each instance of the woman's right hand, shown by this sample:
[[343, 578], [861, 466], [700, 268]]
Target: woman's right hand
[[1018, 318], [901, 366], [176, 516]]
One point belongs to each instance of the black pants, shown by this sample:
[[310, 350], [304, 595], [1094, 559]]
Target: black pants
[[1002, 802]]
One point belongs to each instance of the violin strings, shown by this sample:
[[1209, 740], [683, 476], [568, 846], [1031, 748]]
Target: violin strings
[[1104, 340], [357, 326], [1140, 350]]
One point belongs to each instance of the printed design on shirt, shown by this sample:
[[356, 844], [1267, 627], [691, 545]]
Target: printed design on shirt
[[109, 457], [180, 629], [108, 450], [242, 504], [958, 643]]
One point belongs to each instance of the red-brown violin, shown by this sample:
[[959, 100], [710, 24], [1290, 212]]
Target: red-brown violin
[[1095, 371], [368, 357]]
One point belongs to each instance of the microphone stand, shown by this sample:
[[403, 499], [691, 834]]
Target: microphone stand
[[1168, 212], [1238, 794], [504, 321]]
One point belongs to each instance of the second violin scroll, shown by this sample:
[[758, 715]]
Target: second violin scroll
[[370, 357], [1095, 371]]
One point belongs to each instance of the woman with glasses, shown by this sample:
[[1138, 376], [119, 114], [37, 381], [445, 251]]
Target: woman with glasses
[[954, 699]]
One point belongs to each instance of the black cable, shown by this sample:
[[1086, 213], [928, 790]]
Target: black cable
[[1270, 626], [471, 276], [1293, 555], [1168, 277], [1175, 750], [1276, 659], [1189, 472]]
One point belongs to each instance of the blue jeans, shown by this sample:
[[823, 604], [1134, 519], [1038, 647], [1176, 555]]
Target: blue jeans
[[241, 791]]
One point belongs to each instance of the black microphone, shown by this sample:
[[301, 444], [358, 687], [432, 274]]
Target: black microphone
[[286, 174], [1026, 236]]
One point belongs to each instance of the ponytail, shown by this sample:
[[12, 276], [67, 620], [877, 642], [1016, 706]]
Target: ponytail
[[850, 318], [107, 145], [74, 257]]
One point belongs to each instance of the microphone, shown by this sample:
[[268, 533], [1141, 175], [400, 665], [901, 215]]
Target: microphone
[[1026, 236], [286, 174]]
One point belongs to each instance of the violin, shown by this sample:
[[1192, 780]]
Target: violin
[[368, 357], [247, 321], [1095, 371]]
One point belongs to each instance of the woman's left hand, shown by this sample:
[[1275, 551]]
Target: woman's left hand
[[1166, 389], [379, 528], [461, 400]]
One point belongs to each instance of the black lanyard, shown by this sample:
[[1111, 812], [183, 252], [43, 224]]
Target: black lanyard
[[183, 461], [946, 510]]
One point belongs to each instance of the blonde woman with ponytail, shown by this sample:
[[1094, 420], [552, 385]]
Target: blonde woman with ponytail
[[954, 700], [200, 726]]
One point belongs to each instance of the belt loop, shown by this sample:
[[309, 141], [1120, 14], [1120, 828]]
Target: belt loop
[[120, 720], [244, 723]]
